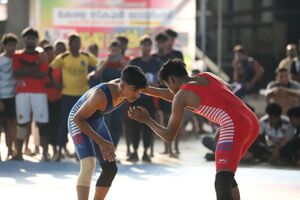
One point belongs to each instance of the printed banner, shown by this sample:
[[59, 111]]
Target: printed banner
[[101, 21]]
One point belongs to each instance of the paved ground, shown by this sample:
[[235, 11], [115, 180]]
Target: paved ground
[[188, 178]]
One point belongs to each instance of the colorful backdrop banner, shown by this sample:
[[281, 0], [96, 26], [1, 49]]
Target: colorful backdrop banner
[[100, 21]]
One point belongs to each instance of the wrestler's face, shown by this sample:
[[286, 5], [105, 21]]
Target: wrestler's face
[[171, 84], [130, 92]]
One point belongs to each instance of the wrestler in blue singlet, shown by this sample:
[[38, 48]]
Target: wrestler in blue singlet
[[84, 145]]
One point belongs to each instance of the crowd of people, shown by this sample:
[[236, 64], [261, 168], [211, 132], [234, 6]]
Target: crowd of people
[[278, 141], [41, 82]]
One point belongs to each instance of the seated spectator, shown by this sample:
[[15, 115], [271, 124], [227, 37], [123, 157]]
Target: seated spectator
[[283, 90], [275, 134], [294, 115]]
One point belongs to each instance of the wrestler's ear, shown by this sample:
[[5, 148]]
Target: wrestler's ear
[[171, 79], [122, 85]]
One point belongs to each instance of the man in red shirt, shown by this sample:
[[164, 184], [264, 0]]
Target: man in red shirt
[[30, 68], [208, 96]]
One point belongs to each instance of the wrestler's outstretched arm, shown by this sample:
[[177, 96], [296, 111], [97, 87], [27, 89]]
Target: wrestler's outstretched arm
[[163, 93]]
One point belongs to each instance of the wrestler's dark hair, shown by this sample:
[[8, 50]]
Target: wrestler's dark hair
[[173, 67], [133, 75]]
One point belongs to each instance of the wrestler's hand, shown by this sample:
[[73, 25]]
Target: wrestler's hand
[[108, 150], [139, 114]]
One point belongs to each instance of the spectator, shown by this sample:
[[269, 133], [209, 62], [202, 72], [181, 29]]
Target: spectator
[[169, 48], [44, 43], [291, 54], [295, 67], [8, 92], [164, 106], [93, 49], [283, 90], [247, 73], [53, 89], [74, 68], [294, 115], [275, 132], [30, 69], [123, 42], [111, 68], [161, 39], [150, 65], [59, 47]]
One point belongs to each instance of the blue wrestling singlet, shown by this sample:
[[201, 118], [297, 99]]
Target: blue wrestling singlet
[[84, 145]]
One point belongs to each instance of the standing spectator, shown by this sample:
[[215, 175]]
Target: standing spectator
[[43, 43], [30, 68], [170, 51], [291, 54], [123, 42], [283, 90], [150, 65], [112, 68], [160, 40], [274, 130], [93, 49], [59, 47], [127, 126], [8, 91], [53, 88], [165, 107], [74, 68], [247, 73], [295, 67], [294, 115]]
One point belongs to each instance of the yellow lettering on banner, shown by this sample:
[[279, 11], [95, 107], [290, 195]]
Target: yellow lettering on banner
[[89, 38], [132, 35], [98, 38], [103, 40]]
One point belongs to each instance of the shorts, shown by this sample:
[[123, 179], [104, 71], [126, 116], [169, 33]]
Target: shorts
[[84, 145], [9, 108], [35, 103]]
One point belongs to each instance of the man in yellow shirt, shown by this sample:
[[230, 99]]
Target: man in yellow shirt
[[74, 67]]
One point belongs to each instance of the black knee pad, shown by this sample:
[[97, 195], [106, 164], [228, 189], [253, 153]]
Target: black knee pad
[[223, 185], [109, 171], [234, 184]]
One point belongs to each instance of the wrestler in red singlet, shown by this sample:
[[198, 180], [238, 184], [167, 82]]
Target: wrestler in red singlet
[[239, 126]]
